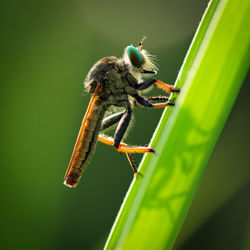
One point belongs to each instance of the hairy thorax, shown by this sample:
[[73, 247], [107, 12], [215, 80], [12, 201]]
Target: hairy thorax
[[116, 80]]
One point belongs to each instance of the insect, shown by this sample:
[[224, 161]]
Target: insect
[[115, 82]]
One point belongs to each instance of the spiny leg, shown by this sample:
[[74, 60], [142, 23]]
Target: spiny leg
[[121, 130], [166, 87], [132, 164], [108, 122], [123, 118], [162, 85], [122, 125], [158, 98], [111, 120], [161, 98], [146, 103], [124, 148]]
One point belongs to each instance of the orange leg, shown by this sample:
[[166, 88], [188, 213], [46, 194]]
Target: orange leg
[[166, 87], [162, 105], [124, 148]]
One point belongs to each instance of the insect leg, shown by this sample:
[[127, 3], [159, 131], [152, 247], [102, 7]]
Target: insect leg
[[146, 84], [124, 148], [158, 98], [111, 120], [162, 85], [132, 164], [166, 87], [124, 118], [108, 122], [122, 126], [146, 103]]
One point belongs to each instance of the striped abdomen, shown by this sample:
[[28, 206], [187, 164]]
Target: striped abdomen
[[86, 142]]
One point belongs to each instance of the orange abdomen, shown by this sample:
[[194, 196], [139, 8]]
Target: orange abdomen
[[86, 142]]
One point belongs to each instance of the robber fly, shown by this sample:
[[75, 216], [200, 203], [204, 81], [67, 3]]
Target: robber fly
[[118, 82]]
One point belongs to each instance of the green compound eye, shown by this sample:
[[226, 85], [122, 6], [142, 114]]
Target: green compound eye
[[134, 56]]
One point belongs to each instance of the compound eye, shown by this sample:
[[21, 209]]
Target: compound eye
[[134, 56]]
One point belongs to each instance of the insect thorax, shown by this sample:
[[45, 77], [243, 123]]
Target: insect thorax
[[116, 80]]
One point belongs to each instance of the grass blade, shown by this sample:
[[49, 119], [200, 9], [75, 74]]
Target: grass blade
[[212, 73]]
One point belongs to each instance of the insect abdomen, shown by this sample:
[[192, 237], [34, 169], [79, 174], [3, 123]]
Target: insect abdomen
[[86, 142]]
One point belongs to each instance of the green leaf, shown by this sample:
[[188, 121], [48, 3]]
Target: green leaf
[[211, 76]]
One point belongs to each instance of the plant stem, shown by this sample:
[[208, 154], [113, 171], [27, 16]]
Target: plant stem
[[212, 73]]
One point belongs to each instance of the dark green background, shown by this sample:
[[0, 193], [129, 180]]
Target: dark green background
[[47, 48]]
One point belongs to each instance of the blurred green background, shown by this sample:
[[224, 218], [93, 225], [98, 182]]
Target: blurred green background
[[47, 48]]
